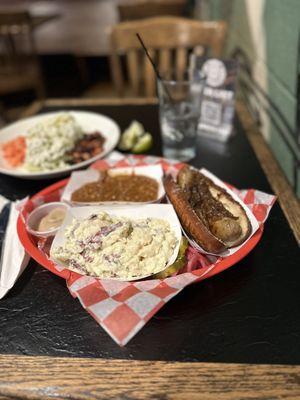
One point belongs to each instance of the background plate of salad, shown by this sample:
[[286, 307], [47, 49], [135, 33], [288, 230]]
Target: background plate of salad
[[54, 144]]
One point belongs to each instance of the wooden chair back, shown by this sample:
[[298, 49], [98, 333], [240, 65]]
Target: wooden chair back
[[15, 30], [139, 9], [169, 41], [19, 67]]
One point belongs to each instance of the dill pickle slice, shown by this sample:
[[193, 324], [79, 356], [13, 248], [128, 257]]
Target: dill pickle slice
[[178, 263]]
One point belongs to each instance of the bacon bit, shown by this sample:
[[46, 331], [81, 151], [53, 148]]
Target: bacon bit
[[14, 151]]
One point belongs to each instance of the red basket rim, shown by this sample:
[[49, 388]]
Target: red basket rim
[[37, 255]]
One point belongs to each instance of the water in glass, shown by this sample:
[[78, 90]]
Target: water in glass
[[179, 126]]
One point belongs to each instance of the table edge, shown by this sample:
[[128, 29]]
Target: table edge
[[287, 198], [288, 201], [63, 377]]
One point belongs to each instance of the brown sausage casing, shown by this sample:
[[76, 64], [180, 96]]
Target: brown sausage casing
[[191, 223], [207, 212]]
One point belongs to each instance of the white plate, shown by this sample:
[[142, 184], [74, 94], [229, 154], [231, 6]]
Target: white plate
[[163, 211], [80, 178], [90, 122]]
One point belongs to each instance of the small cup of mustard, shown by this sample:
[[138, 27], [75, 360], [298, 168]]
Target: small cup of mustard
[[45, 220]]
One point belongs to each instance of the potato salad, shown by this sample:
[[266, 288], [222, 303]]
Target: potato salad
[[107, 246]]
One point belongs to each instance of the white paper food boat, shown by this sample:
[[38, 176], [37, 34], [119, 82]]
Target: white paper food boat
[[80, 178], [162, 211], [252, 219]]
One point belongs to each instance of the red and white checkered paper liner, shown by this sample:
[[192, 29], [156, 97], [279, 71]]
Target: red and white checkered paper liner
[[123, 308]]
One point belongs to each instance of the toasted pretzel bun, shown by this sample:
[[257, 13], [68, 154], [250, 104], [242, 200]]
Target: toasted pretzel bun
[[225, 232], [190, 221]]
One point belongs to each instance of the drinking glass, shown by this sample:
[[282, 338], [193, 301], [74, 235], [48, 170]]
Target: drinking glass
[[179, 112]]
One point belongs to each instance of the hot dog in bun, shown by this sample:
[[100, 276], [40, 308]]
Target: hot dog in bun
[[207, 212]]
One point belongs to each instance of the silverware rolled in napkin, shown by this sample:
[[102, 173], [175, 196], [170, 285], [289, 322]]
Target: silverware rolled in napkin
[[13, 258], [4, 217]]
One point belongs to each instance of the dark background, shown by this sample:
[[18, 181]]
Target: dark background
[[248, 313]]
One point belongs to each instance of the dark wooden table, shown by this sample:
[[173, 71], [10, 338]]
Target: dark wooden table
[[248, 314]]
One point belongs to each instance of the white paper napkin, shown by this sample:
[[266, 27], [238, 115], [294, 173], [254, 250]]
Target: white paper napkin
[[14, 257]]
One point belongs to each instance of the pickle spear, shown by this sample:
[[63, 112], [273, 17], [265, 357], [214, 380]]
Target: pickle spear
[[178, 264]]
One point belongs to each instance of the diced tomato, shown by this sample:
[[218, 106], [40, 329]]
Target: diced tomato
[[14, 151]]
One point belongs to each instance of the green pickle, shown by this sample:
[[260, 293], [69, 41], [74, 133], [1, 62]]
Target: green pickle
[[178, 264]]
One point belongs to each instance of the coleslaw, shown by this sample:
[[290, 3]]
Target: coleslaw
[[47, 143]]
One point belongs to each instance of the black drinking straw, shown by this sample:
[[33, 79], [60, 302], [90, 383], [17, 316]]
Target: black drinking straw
[[155, 68]]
